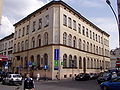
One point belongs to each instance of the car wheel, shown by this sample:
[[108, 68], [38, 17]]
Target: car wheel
[[105, 88], [3, 83]]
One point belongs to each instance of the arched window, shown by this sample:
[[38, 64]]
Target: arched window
[[33, 42], [94, 48], [97, 49], [88, 63], [45, 38], [26, 44], [14, 47], [80, 63], [38, 61], [70, 40], [32, 59], [74, 42], [18, 46], [80, 44], [22, 46], [65, 38], [84, 45], [22, 62], [88, 46], [74, 63], [91, 47], [70, 60], [98, 65], [94, 63], [45, 59], [39, 41], [64, 60], [91, 63], [26, 62]]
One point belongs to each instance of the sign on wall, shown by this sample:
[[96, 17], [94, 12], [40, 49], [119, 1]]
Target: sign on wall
[[56, 58]]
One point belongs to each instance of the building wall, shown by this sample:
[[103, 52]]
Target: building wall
[[52, 38], [6, 46]]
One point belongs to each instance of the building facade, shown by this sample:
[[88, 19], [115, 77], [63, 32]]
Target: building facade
[[114, 57], [6, 47], [58, 37]]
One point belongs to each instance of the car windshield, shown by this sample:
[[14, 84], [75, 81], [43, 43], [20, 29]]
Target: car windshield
[[16, 76], [81, 74], [106, 74]]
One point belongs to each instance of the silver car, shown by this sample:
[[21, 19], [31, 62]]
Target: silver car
[[12, 79]]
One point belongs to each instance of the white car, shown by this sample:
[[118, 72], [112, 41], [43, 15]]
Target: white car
[[12, 79]]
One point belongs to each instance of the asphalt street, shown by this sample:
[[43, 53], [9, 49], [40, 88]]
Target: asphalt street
[[58, 85]]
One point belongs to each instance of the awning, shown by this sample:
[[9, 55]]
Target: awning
[[3, 58]]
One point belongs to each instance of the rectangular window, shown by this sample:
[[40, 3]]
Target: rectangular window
[[87, 32], [79, 28], [15, 34], [90, 34], [27, 30], [65, 20], [74, 24], [99, 38], [23, 33], [34, 26], [19, 33], [69, 22], [40, 23], [46, 20], [96, 37], [83, 31], [93, 36]]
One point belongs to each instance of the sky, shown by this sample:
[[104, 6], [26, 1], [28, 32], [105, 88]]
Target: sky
[[96, 11]]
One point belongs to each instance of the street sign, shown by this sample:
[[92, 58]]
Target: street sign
[[45, 67], [56, 63], [62, 63], [56, 54], [30, 64]]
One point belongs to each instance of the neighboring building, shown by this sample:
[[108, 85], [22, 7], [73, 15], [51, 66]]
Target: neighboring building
[[1, 4], [114, 58], [58, 36], [6, 46]]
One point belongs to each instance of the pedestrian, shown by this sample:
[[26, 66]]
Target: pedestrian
[[38, 77], [28, 83]]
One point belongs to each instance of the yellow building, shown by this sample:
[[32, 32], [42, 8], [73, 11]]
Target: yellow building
[[58, 36]]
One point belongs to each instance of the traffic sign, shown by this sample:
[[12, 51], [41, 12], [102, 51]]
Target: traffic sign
[[45, 67]]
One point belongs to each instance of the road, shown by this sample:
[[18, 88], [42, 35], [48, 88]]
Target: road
[[59, 85]]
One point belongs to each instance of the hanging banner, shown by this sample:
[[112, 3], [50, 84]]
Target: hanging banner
[[56, 58]]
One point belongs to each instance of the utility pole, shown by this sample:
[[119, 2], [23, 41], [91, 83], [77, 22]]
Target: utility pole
[[109, 3]]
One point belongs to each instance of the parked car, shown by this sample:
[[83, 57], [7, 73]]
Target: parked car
[[82, 76], [3, 75], [93, 75], [12, 79], [104, 77], [113, 84]]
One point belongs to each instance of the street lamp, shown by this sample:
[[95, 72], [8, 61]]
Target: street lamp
[[109, 3]]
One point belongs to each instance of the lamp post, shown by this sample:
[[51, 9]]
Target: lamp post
[[109, 3]]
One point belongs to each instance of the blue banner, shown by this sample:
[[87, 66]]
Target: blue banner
[[56, 54]]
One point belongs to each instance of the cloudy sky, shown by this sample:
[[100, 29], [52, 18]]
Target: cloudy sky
[[97, 11]]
